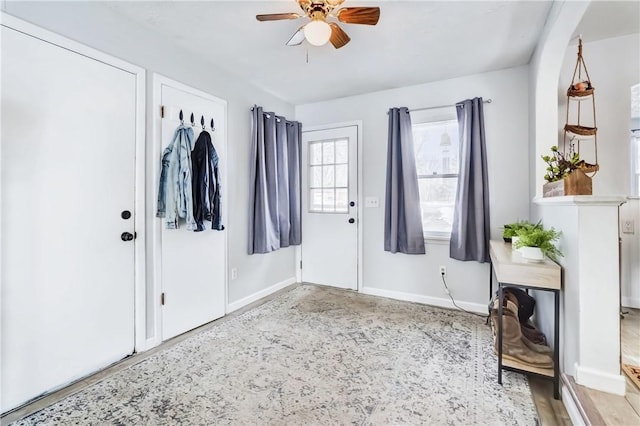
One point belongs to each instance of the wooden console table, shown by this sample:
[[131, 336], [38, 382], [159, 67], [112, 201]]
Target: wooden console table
[[513, 270]]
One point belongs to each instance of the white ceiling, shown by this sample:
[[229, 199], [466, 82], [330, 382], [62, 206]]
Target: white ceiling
[[414, 42]]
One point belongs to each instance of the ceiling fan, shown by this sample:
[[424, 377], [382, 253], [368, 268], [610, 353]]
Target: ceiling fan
[[318, 32]]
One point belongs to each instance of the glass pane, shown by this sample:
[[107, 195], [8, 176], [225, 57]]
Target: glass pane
[[342, 151], [328, 179], [315, 173], [437, 200], [315, 156], [342, 203], [342, 175], [328, 200], [315, 200], [436, 147], [328, 153]]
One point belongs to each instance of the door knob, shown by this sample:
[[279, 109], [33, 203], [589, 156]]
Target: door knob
[[352, 220], [126, 236]]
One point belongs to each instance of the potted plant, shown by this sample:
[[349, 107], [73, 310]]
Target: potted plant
[[536, 243], [510, 230]]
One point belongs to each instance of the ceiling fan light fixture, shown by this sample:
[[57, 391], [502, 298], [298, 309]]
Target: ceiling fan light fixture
[[317, 32]]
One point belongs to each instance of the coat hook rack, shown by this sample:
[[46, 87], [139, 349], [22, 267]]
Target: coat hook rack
[[213, 128], [193, 120], [181, 117], [202, 121]]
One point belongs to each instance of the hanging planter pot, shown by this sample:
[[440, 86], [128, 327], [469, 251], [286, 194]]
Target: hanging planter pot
[[531, 253]]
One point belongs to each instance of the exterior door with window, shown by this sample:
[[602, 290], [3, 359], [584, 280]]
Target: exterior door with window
[[329, 207]]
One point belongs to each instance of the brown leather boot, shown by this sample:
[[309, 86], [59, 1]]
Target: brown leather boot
[[513, 346]]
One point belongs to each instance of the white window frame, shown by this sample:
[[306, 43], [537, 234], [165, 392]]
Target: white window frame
[[430, 117]]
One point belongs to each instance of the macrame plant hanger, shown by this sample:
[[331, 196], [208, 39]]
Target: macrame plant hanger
[[578, 95]]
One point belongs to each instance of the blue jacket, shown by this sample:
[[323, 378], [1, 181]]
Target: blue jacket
[[175, 193]]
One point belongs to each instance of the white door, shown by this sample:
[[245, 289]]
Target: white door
[[193, 263], [68, 144], [330, 207]]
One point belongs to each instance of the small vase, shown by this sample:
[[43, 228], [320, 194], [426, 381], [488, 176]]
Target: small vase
[[531, 253]]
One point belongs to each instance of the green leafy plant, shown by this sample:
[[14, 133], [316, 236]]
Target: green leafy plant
[[560, 165], [542, 238], [510, 230]]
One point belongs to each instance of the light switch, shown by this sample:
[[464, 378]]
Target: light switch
[[371, 202], [627, 227]]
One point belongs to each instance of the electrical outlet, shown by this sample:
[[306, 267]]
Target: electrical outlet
[[234, 273], [627, 227], [443, 270]]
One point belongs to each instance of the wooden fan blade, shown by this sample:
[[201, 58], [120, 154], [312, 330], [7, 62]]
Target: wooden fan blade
[[297, 38], [277, 16], [338, 37], [359, 15]]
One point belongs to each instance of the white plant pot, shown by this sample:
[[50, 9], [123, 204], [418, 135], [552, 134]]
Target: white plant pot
[[531, 253]]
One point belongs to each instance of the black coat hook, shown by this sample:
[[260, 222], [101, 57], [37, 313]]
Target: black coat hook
[[181, 117], [213, 127], [193, 121], [202, 121]]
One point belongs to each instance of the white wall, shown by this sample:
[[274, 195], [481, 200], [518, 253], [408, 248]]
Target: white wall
[[613, 66], [506, 126], [99, 27]]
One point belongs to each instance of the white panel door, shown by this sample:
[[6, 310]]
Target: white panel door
[[329, 207], [68, 142], [193, 263]]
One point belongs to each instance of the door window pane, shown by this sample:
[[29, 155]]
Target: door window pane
[[342, 175], [328, 156], [315, 176], [328, 181], [342, 203], [342, 151], [315, 153]]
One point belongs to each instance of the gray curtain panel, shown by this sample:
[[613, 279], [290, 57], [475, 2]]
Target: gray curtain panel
[[470, 233], [294, 141], [403, 217], [274, 194]]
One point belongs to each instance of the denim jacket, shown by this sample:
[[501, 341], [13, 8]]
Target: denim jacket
[[206, 184], [175, 193]]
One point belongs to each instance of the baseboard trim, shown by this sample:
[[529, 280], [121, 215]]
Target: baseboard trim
[[571, 403], [631, 302], [234, 306], [599, 380], [425, 300]]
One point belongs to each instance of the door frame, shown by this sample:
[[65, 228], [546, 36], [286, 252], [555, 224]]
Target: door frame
[[50, 37], [360, 199], [154, 253]]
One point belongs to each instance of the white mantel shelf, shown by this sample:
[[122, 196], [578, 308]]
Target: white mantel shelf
[[582, 200]]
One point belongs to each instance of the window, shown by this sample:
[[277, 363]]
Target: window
[[436, 149], [328, 176]]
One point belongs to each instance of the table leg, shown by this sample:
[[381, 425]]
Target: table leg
[[500, 297], [556, 346]]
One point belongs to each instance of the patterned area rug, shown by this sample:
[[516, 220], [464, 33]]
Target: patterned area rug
[[314, 356]]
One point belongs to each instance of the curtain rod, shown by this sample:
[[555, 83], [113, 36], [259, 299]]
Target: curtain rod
[[488, 101]]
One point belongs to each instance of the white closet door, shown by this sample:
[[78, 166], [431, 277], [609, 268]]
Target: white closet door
[[193, 263], [68, 141]]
